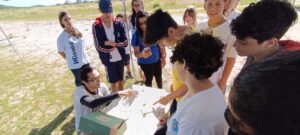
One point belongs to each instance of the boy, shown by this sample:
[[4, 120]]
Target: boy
[[259, 28], [265, 97], [196, 58], [110, 40], [167, 34]]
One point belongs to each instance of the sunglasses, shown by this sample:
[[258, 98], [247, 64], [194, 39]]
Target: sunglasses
[[235, 125], [136, 5]]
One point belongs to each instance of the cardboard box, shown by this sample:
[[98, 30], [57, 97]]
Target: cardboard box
[[99, 123]]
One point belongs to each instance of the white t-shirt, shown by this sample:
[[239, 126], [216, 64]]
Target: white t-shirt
[[74, 50], [201, 114], [222, 32], [128, 33], [114, 54], [81, 110], [234, 14]]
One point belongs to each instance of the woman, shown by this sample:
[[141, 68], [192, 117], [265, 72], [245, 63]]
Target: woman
[[150, 58], [70, 46], [137, 5]]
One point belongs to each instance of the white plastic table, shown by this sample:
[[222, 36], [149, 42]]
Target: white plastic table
[[139, 112]]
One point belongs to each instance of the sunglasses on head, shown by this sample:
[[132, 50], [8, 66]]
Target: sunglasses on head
[[136, 5], [234, 124]]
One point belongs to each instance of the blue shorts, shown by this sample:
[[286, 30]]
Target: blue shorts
[[76, 73], [115, 71]]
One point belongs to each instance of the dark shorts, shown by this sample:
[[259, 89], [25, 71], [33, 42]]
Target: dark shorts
[[115, 71], [127, 59], [76, 73]]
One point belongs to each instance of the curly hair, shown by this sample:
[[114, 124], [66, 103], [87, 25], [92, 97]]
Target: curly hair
[[201, 52], [264, 20], [265, 95]]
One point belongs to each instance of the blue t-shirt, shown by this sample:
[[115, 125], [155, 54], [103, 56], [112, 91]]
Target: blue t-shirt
[[137, 41]]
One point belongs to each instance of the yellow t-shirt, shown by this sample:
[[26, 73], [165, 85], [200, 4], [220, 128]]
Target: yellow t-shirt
[[176, 82]]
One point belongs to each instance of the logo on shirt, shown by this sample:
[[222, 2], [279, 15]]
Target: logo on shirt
[[74, 53], [175, 126]]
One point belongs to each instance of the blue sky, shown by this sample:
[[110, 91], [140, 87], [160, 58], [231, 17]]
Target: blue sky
[[27, 3]]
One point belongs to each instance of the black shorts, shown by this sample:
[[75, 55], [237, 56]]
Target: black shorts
[[115, 71], [127, 59]]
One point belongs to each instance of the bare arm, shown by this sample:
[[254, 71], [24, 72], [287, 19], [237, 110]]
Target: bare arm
[[177, 93], [62, 54], [139, 54], [227, 70], [163, 55]]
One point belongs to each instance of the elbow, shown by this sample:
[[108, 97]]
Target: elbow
[[91, 105]]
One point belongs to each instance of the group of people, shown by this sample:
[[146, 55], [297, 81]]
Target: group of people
[[263, 98]]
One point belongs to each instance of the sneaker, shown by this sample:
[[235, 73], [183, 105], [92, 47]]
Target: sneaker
[[129, 75]]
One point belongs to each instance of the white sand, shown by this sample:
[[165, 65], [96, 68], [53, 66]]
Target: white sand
[[38, 40]]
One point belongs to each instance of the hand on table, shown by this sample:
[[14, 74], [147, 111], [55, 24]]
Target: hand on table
[[127, 93], [163, 100]]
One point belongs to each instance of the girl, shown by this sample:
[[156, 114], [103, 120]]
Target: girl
[[190, 17], [218, 26], [70, 46], [148, 57], [137, 5]]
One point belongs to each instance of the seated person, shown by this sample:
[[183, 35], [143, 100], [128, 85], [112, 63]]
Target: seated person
[[196, 57], [93, 94], [264, 99]]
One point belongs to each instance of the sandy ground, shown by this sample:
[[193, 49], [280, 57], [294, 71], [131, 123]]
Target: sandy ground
[[38, 40]]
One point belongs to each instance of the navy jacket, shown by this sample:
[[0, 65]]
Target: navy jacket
[[100, 37]]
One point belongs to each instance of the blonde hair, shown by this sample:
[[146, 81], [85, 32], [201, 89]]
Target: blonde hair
[[190, 11]]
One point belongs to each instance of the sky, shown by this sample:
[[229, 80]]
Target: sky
[[27, 3]]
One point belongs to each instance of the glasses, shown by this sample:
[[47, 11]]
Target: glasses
[[94, 79], [235, 125]]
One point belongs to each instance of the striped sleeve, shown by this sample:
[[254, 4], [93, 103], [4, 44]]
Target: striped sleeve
[[123, 36], [99, 44]]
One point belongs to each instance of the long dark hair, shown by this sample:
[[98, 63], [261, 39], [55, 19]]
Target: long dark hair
[[139, 30], [75, 32], [133, 19]]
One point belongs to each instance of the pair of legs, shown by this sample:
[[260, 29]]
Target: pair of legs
[[115, 74], [117, 86], [151, 70], [76, 73], [127, 65]]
